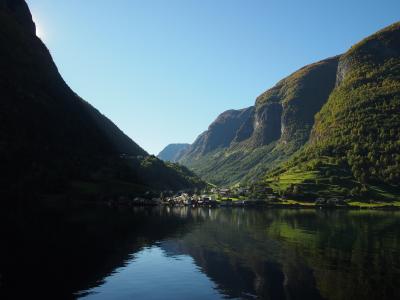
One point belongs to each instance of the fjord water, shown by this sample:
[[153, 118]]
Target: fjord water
[[183, 253]]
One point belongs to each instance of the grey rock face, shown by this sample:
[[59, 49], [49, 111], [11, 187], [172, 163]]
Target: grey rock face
[[286, 112], [280, 122], [246, 129], [173, 152], [387, 46], [267, 124], [343, 67], [222, 132]]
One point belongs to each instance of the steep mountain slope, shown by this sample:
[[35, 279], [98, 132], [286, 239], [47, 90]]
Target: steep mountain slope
[[336, 122], [221, 132], [49, 136], [173, 152], [248, 142], [354, 148]]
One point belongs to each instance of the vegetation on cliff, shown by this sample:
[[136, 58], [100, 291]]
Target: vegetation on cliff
[[354, 147], [329, 129]]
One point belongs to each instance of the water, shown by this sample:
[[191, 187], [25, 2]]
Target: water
[[152, 268], [181, 253]]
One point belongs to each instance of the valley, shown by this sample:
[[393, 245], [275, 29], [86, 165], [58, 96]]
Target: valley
[[330, 129]]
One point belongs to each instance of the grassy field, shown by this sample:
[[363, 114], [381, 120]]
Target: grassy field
[[351, 204], [295, 202], [293, 177], [230, 198], [337, 184], [374, 204]]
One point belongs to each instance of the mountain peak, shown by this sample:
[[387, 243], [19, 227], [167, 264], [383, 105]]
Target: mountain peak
[[20, 11]]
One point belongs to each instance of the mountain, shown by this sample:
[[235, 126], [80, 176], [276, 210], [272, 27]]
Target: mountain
[[173, 152], [331, 127], [221, 132], [50, 139], [354, 147], [241, 145]]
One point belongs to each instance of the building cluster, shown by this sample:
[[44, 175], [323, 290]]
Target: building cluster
[[184, 199], [235, 197], [214, 197]]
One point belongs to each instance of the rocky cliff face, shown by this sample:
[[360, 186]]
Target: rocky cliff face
[[267, 124], [344, 107], [283, 113], [383, 45], [356, 133], [286, 112], [173, 152], [222, 132], [280, 121]]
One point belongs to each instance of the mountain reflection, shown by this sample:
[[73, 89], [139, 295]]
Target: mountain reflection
[[244, 253], [57, 252]]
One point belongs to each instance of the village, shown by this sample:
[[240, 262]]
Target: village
[[214, 197]]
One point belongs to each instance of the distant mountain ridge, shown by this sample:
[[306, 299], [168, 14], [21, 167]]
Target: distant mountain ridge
[[316, 122], [173, 152], [50, 139]]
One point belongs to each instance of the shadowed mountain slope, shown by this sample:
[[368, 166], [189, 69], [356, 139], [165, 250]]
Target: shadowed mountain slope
[[49, 136]]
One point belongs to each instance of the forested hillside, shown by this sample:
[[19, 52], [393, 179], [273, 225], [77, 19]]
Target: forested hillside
[[355, 143]]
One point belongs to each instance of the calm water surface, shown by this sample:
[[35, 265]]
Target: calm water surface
[[182, 253]]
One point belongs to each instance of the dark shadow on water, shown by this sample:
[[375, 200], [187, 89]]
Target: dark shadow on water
[[248, 254], [59, 251]]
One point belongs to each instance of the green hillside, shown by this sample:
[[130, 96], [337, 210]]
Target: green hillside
[[270, 132], [354, 149], [330, 129]]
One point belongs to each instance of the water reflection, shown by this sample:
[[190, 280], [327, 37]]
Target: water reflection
[[181, 253], [151, 274], [55, 252]]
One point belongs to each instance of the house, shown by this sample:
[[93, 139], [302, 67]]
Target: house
[[206, 198], [224, 192]]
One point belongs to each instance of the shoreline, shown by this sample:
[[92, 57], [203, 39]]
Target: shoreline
[[125, 202]]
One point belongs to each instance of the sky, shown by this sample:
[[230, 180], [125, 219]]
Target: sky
[[163, 70]]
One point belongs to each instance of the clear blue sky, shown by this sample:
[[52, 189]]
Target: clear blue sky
[[163, 70]]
